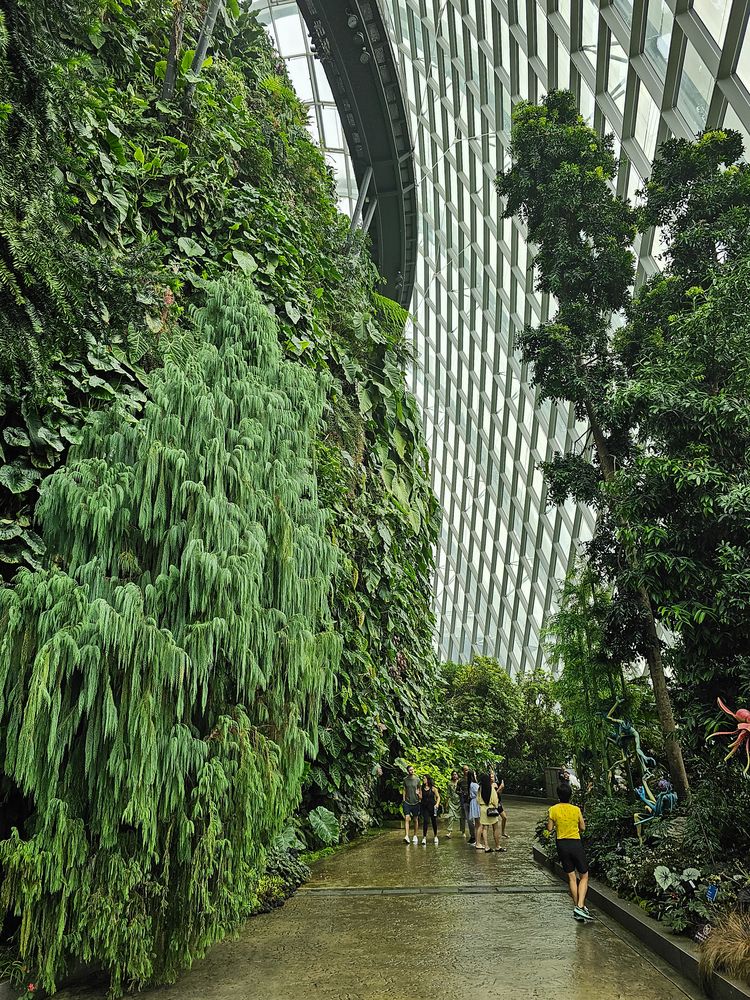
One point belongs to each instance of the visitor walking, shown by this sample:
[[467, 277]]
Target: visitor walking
[[463, 791], [430, 806], [489, 814], [411, 804], [567, 820], [474, 810], [454, 808]]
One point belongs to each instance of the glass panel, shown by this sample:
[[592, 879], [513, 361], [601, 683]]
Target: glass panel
[[586, 103], [714, 14], [521, 14], [646, 123], [563, 7], [523, 74], [658, 32], [332, 130], [625, 9], [590, 31], [299, 73], [290, 31], [695, 89], [505, 44], [324, 88], [563, 67], [743, 66], [618, 73], [732, 120], [541, 34]]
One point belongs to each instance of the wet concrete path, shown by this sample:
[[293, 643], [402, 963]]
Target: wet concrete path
[[383, 921]]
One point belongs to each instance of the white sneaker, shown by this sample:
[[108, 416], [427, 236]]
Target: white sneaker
[[424, 841], [406, 840], [436, 841], [414, 839]]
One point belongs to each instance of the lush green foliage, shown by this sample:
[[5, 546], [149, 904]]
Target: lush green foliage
[[443, 755], [123, 197], [594, 672], [665, 465], [159, 694], [684, 494], [481, 696], [483, 716], [543, 736]]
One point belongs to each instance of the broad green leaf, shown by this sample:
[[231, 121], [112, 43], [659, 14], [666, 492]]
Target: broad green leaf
[[325, 826], [17, 437], [190, 247], [292, 312], [245, 260], [399, 442], [18, 478], [365, 402]]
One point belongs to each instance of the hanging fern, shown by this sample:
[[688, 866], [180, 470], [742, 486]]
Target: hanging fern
[[159, 692]]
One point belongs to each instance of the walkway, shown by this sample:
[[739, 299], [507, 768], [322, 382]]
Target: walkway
[[383, 921]]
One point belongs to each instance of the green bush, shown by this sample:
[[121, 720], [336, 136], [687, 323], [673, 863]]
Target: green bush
[[480, 696]]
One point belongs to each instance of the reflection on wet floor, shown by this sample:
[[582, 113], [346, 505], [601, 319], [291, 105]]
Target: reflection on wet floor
[[387, 921]]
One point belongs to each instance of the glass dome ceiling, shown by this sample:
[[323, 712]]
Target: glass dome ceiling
[[288, 32], [643, 69]]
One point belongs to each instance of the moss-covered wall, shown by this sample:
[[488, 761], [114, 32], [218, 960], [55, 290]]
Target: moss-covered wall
[[144, 227]]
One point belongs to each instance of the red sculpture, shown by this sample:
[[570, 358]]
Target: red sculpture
[[742, 733]]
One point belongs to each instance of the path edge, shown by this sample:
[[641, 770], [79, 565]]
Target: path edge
[[681, 953]]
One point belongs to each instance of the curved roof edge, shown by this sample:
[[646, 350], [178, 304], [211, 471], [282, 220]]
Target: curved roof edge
[[351, 40]]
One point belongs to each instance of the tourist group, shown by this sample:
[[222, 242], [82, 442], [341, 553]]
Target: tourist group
[[476, 802]]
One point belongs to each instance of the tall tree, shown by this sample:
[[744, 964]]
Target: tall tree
[[560, 185], [687, 388], [161, 687]]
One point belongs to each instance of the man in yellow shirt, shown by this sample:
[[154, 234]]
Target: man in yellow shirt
[[567, 820]]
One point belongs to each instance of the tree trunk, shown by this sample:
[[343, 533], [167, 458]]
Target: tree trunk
[[204, 40], [175, 45], [672, 747], [673, 750]]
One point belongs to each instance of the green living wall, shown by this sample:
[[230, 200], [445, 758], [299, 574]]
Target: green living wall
[[216, 525]]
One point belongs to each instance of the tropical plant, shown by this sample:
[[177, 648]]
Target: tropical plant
[[542, 738], [480, 696], [683, 495], [559, 183], [165, 173], [161, 689]]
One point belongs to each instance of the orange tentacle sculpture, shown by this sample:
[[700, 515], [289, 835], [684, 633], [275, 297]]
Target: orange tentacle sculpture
[[741, 733]]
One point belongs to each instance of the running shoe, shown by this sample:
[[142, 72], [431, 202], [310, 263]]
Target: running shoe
[[406, 840], [582, 913], [424, 841], [436, 840], [414, 839], [581, 920]]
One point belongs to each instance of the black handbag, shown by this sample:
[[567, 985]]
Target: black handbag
[[493, 811]]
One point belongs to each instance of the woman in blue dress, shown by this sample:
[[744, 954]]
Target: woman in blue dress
[[474, 810]]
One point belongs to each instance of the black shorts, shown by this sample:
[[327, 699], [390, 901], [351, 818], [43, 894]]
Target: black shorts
[[572, 856]]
